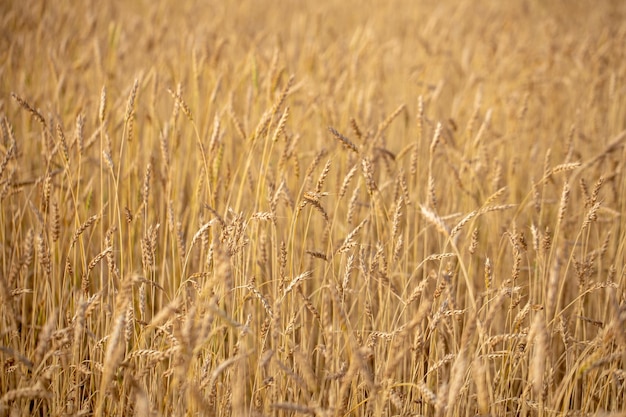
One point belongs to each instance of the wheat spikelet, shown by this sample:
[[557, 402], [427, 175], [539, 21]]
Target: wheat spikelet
[[478, 99], [43, 253], [282, 264], [95, 261], [37, 213], [148, 247], [79, 328], [563, 203], [508, 337], [585, 191], [280, 128], [108, 160], [605, 245], [165, 149], [317, 254], [432, 195], [129, 116], [215, 136], [55, 222], [180, 103], [521, 316], [296, 281], [36, 114], [346, 180], [130, 104], [145, 190], [273, 75], [593, 199], [473, 242], [352, 204], [435, 220], [497, 207], [4, 130], [112, 359], [314, 202], [440, 363], [385, 123], [238, 125], [397, 250], [36, 391], [316, 161], [50, 147], [200, 233], [347, 143], [435, 141], [164, 314], [483, 128], [7, 157], [496, 181], [566, 167], [343, 396], [7, 186], [536, 196], [404, 187], [488, 274], [591, 216], [266, 305], [427, 394], [386, 155], [417, 291], [283, 96], [130, 323], [397, 214], [348, 242], [46, 190], [309, 305], [495, 196], [355, 128], [263, 216], [438, 256], [263, 125], [456, 229], [114, 271], [517, 261], [44, 338], [103, 105], [289, 150], [420, 132], [345, 283], [322, 177], [6, 297], [368, 175], [63, 145], [79, 135]]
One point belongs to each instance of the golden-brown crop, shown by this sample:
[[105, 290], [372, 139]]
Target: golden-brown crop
[[254, 208]]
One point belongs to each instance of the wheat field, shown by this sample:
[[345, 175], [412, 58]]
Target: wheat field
[[256, 208]]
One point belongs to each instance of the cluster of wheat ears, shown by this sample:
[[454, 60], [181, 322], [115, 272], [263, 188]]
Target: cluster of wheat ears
[[333, 209]]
